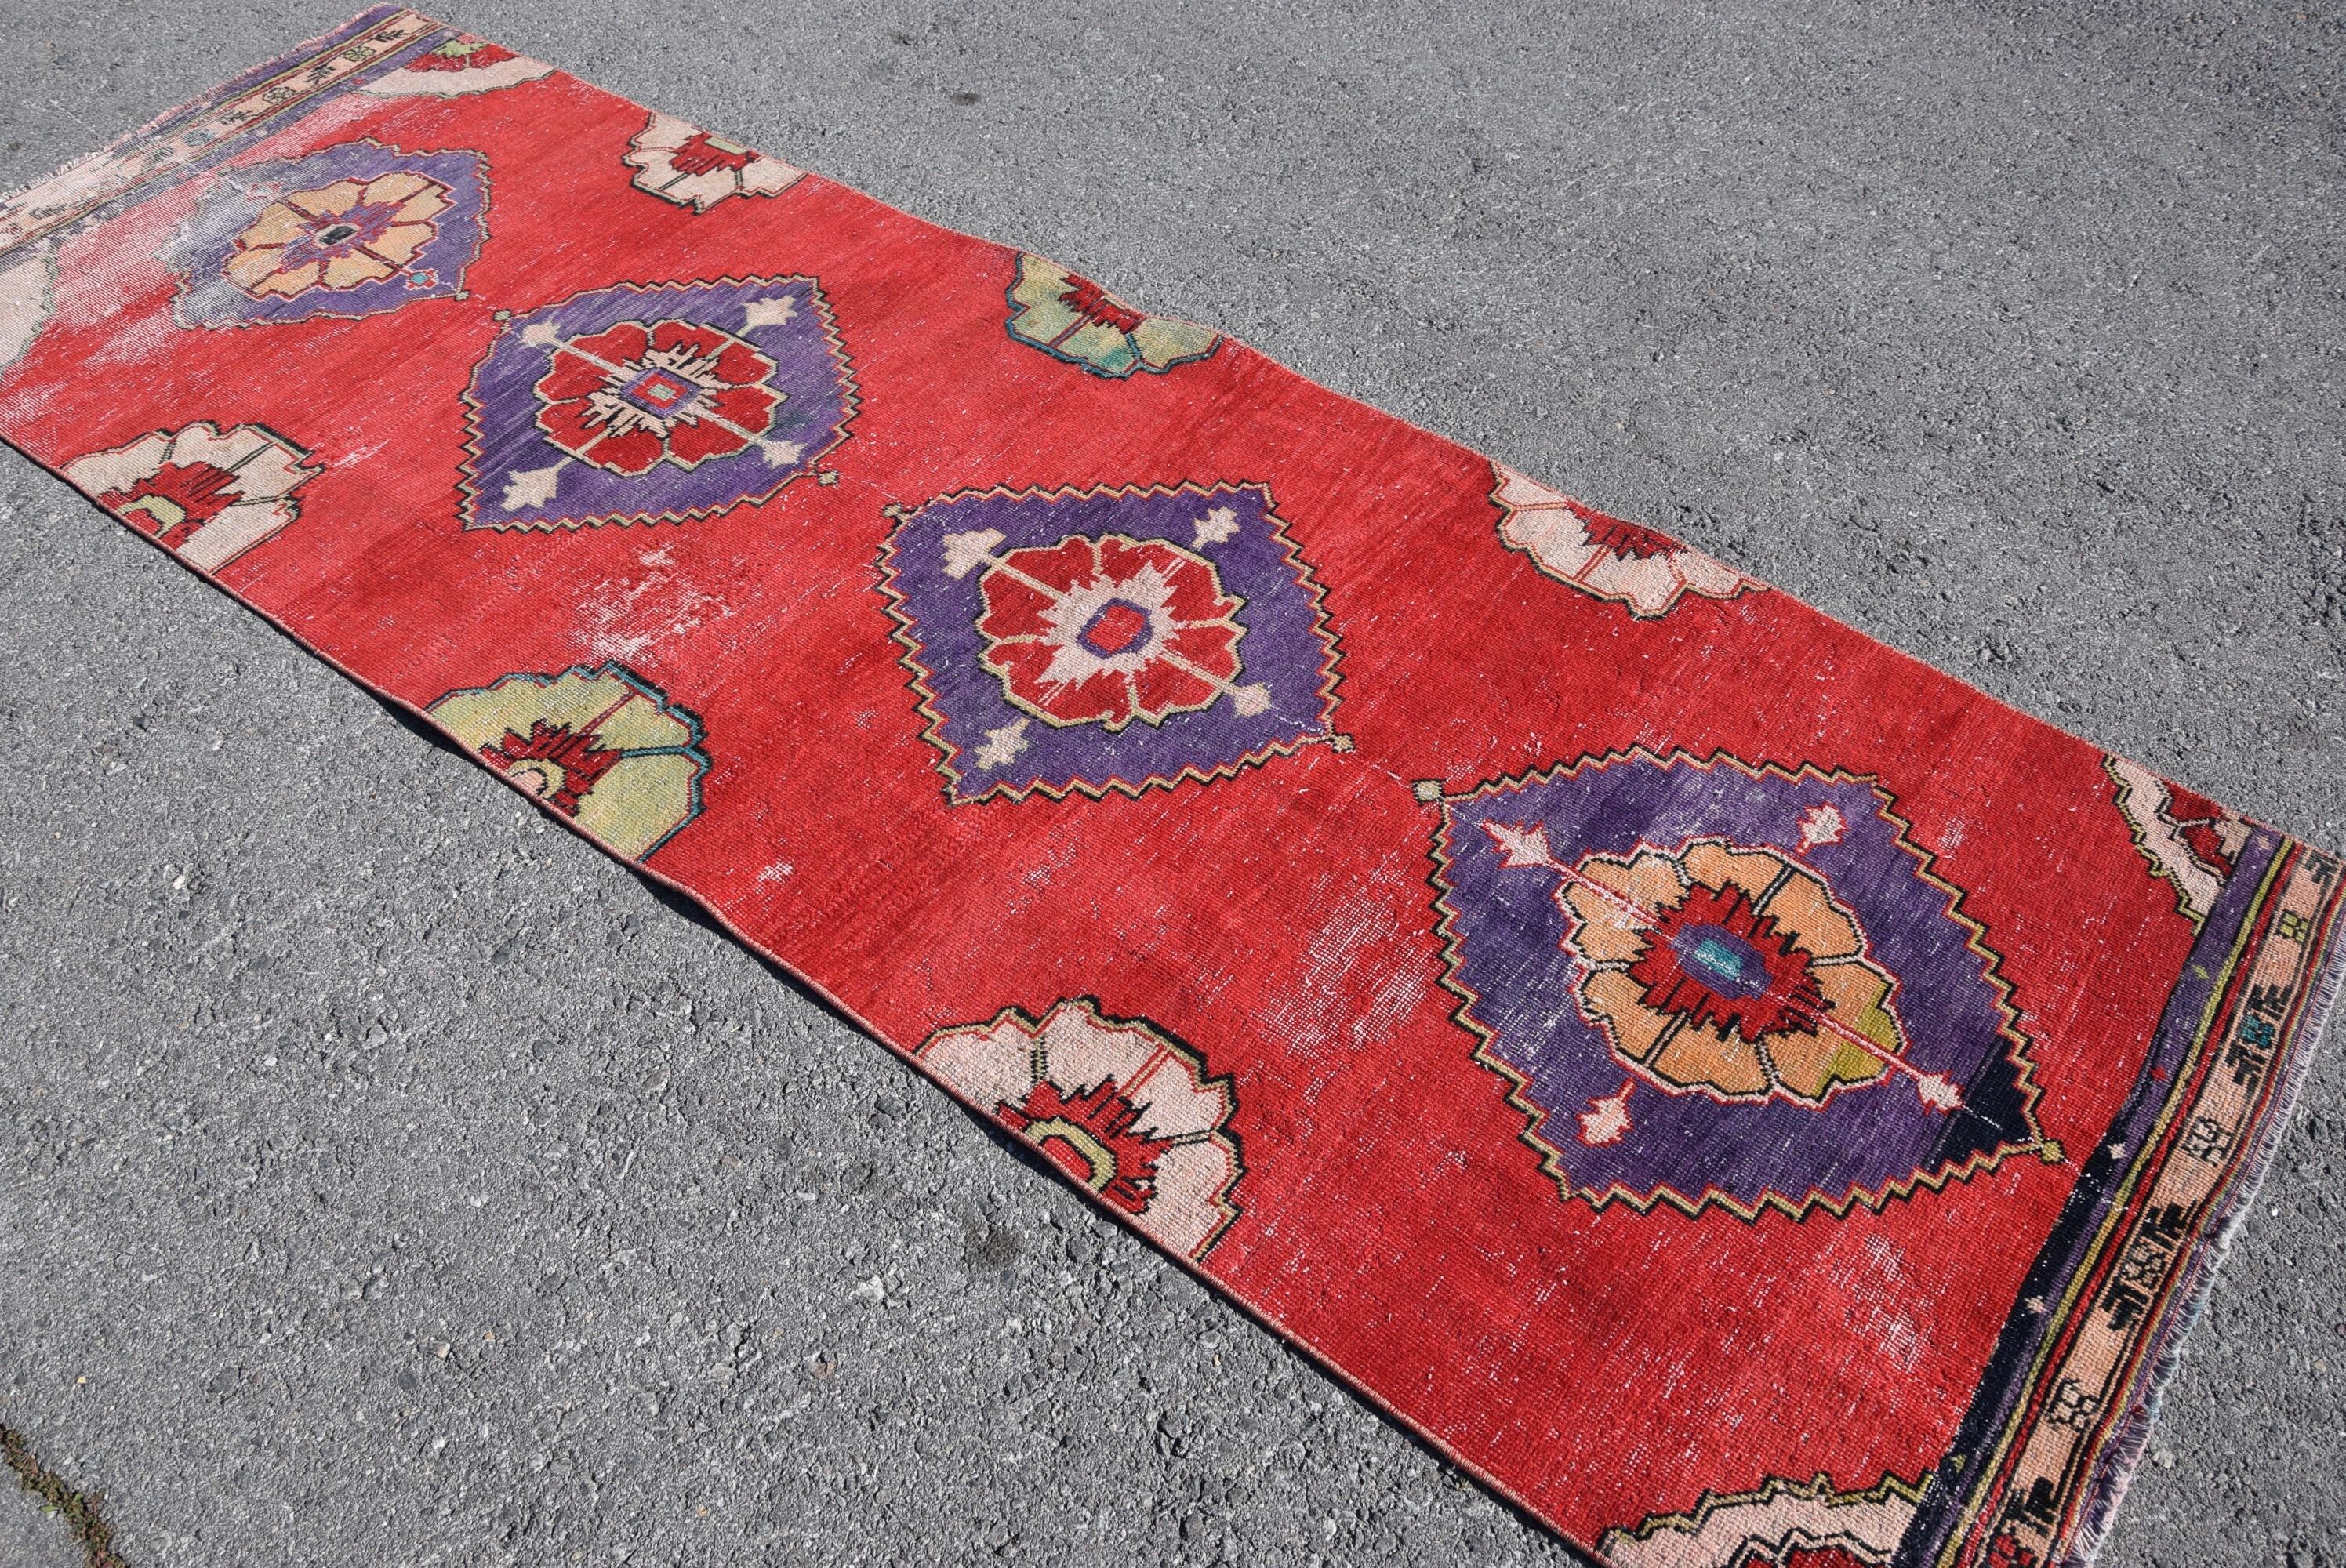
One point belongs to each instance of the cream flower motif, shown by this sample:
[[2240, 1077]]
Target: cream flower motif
[[205, 493], [1125, 1110], [2188, 838], [1626, 563], [684, 163]]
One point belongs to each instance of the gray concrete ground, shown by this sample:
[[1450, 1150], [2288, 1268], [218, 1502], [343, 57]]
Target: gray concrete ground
[[392, 1179], [31, 1537]]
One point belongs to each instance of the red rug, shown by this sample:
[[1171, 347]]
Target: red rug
[[1748, 1097]]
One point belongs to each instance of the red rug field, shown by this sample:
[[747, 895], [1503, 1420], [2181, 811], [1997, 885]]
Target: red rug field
[[1748, 1097]]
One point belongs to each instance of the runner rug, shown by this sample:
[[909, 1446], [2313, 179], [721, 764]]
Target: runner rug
[[1745, 1096]]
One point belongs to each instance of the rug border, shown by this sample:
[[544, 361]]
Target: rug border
[[2114, 1468], [203, 149], [2107, 1213]]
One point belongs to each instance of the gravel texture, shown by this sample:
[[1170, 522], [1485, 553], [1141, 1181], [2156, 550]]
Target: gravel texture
[[389, 1178], [31, 1537]]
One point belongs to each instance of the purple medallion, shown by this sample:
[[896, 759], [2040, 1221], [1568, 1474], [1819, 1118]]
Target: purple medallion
[[1712, 983], [351, 231], [1108, 640], [653, 403]]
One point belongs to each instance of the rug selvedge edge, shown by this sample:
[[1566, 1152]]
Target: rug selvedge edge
[[1977, 1512]]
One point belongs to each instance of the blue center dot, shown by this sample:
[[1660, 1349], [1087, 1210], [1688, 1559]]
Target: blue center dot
[[1721, 960]]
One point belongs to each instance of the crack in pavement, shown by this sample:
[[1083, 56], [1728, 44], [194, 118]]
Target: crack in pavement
[[82, 1511]]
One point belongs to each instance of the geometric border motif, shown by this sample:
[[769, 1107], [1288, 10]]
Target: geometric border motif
[[2041, 1460], [256, 104]]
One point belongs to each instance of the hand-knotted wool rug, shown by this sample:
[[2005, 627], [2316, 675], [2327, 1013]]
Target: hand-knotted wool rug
[[1750, 1098]]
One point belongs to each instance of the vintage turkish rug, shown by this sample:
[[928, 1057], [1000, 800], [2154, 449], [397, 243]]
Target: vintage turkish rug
[[1750, 1098]]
